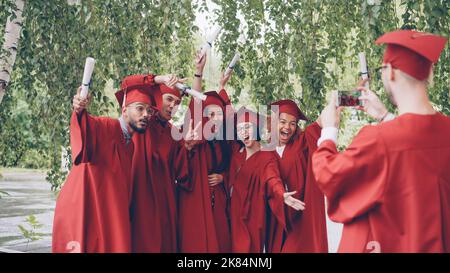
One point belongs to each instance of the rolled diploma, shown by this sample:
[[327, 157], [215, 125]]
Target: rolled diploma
[[363, 68], [232, 63], [210, 40], [195, 93], [88, 69], [190, 91]]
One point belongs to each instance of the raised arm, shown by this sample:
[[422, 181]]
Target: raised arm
[[198, 76]]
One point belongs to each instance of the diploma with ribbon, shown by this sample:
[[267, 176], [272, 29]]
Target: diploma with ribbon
[[188, 90], [363, 68], [209, 41], [232, 63], [87, 74]]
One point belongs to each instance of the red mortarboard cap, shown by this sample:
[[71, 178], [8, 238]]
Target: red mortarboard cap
[[224, 95], [291, 108], [411, 51], [213, 98], [134, 95], [138, 92], [167, 90]]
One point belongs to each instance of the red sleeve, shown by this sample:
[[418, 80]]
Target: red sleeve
[[189, 155], [82, 137], [303, 164], [139, 81], [354, 180], [312, 134], [308, 145], [180, 164], [275, 191]]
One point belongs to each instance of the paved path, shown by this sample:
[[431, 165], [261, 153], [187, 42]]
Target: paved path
[[29, 193]]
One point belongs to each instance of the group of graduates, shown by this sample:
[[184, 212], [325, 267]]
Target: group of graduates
[[134, 187]]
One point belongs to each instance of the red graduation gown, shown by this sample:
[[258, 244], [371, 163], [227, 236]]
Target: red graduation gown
[[391, 187], [92, 211], [203, 210], [159, 162], [256, 200], [307, 229]]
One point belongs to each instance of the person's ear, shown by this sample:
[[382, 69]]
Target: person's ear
[[124, 111]]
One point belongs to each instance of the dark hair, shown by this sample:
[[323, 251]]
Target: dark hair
[[219, 167], [222, 166]]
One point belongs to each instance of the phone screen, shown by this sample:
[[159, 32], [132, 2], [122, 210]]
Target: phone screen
[[349, 98]]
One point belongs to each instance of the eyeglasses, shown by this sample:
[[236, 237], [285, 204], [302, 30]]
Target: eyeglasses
[[379, 69], [244, 127], [140, 108]]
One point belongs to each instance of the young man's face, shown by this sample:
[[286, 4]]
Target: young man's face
[[136, 116], [246, 133], [287, 125], [169, 106]]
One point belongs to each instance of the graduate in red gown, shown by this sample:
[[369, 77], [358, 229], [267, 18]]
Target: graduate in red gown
[[258, 195], [294, 151], [203, 204], [159, 163], [92, 211], [204, 223], [391, 187]]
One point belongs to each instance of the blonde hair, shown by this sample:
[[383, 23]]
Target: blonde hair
[[427, 82]]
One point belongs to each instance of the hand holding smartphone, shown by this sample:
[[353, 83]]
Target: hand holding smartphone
[[348, 98]]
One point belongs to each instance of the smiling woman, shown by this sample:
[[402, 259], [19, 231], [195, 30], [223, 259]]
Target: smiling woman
[[287, 127]]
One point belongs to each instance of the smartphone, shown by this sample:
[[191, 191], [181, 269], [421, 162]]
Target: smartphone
[[349, 98]]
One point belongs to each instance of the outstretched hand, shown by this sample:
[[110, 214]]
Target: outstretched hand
[[293, 202]]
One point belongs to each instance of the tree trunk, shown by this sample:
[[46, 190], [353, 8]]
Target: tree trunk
[[12, 33]]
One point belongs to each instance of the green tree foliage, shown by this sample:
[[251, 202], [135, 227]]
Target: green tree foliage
[[303, 49]]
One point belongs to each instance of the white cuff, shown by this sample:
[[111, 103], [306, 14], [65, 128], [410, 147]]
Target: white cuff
[[388, 117], [328, 133]]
